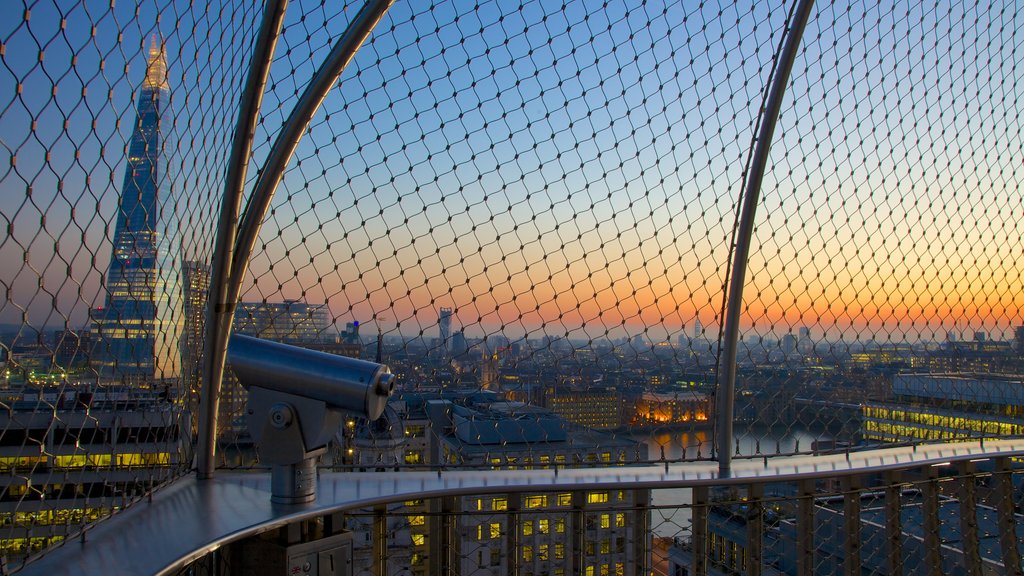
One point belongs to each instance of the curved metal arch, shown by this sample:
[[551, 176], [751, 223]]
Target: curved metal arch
[[220, 309], [726, 397], [233, 249]]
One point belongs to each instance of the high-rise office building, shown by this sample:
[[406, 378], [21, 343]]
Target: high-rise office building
[[459, 345], [788, 344], [195, 279], [139, 327], [290, 322], [444, 327]]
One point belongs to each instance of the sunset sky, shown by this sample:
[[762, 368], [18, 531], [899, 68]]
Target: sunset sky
[[552, 171]]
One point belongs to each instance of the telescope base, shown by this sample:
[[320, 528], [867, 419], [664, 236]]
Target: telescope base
[[293, 483]]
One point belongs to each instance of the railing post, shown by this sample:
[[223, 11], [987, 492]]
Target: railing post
[[851, 515], [513, 536], [1007, 516], [805, 528], [380, 540], [754, 560], [931, 522], [444, 559], [578, 530], [449, 539], [642, 545], [893, 521], [969, 519], [726, 397], [699, 543]]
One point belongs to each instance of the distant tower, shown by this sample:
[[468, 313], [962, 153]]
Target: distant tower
[[788, 344], [804, 345], [444, 327], [697, 329], [1018, 339], [139, 328], [459, 345], [489, 372]]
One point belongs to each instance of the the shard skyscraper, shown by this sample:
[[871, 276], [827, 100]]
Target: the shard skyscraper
[[139, 328]]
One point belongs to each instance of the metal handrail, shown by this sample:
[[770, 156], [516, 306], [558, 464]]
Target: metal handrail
[[206, 515]]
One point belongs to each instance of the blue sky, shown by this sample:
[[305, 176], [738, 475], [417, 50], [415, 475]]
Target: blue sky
[[541, 168]]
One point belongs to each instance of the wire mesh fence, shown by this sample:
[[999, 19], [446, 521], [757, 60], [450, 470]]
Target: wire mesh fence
[[114, 143], [528, 213]]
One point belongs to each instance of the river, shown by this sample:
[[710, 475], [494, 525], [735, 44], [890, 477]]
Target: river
[[697, 445]]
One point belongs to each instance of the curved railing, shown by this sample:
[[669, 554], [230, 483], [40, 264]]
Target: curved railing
[[951, 506]]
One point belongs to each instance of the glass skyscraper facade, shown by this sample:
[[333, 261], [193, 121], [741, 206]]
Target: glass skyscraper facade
[[139, 328]]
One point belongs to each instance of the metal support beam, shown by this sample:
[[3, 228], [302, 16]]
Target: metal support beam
[[513, 535], [380, 540], [242, 243], [726, 399], [577, 534], [219, 309], [805, 528], [931, 523], [450, 553], [700, 531], [894, 522], [851, 517], [295, 126], [754, 557], [642, 544], [1006, 507], [969, 519]]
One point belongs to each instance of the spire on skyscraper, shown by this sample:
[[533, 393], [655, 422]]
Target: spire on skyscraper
[[139, 327], [156, 66]]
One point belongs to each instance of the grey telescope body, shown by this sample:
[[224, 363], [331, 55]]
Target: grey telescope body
[[354, 386]]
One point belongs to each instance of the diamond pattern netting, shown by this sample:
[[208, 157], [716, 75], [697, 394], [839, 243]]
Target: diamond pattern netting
[[527, 211]]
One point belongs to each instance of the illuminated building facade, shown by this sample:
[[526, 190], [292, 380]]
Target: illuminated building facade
[[683, 407], [599, 408], [290, 322], [533, 533], [139, 327], [947, 407], [72, 456]]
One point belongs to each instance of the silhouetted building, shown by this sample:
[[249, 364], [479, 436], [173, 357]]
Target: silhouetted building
[[788, 345], [444, 328]]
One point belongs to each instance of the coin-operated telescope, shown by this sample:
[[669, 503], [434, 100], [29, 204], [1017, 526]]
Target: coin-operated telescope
[[297, 398]]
